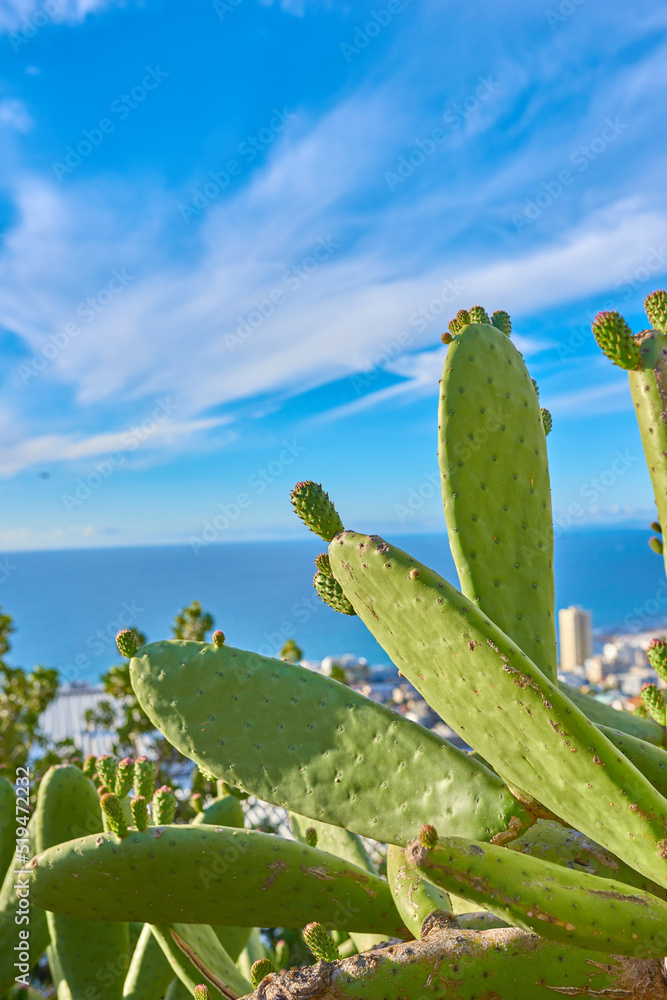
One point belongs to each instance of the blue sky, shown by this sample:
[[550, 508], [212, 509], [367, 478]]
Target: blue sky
[[232, 233]]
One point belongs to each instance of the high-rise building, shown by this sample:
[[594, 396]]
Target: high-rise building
[[575, 638]]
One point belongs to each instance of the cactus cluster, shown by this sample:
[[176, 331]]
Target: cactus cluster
[[533, 866]]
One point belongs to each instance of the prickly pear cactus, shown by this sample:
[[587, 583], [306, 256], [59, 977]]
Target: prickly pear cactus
[[534, 867]]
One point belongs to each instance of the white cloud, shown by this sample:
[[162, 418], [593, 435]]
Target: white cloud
[[16, 15], [14, 114]]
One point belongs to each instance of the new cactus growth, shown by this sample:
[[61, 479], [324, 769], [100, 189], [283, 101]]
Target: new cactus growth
[[657, 657], [218, 637], [106, 769], [163, 806], [332, 594], [316, 510], [428, 836], [320, 942], [262, 968], [124, 777], [655, 703], [311, 836], [655, 305], [127, 643], [616, 339], [201, 991], [197, 802], [113, 810], [547, 422], [144, 777], [139, 808]]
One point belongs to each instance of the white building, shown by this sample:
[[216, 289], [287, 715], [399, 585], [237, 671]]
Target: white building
[[576, 641]]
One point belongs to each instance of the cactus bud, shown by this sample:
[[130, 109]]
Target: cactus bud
[[546, 421], [332, 594], [201, 992], [113, 810], [655, 526], [655, 703], [260, 969], [144, 777], [656, 545], [282, 954], [106, 768], [320, 943], [446, 338], [127, 642], [197, 802], [103, 790], [316, 510], [311, 836], [124, 777], [163, 806], [139, 808], [323, 563], [501, 320], [657, 657], [655, 305], [461, 319], [614, 337], [218, 637], [90, 765], [536, 387], [478, 315], [428, 836]]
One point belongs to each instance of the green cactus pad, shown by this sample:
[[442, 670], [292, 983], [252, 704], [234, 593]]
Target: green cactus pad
[[547, 422], [648, 387], [316, 510], [112, 808], [495, 489], [564, 846], [267, 880], [615, 339], [646, 757], [127, 643], [17, 914], [8, 812], [654, 701], [655, 305], [68, 806], [604, 715], [488, 691], [301, 741], [163, 806], [195, 953], [144, 777], [149, 973], [416, 898], [565, 906], [223, 811], [320, 942], [497, 964], [346, 845], [332, 594], [124, 777], [501, 320]]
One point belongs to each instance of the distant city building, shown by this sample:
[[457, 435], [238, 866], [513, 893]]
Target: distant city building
[[576, 642]]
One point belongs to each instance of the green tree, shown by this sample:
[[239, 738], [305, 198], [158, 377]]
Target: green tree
[[192, 623], [291, 652]]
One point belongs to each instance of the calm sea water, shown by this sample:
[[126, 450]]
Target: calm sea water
[[68, 606]]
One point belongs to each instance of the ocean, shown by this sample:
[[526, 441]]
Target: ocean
[[68, 605]]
